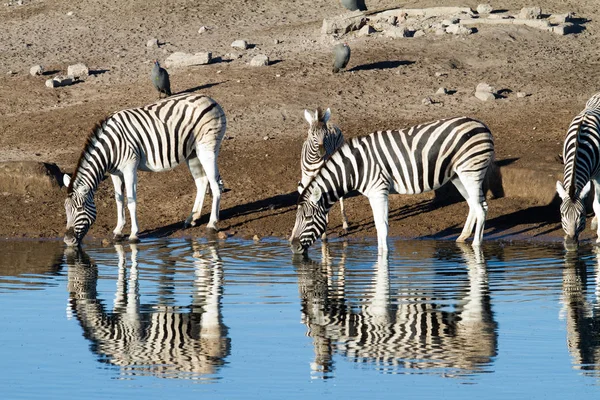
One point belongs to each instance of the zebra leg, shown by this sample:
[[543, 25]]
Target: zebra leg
[[379, 205], [119, 188], [596, 207], [201, 183], [324, 235], [477, 204], [344, 217], [208, 158], [468, 228], [130, 178]]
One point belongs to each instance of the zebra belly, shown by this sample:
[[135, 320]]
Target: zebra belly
[[159, 165]]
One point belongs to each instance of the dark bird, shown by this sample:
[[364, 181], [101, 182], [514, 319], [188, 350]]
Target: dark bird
[[160, 79], [354, 5], [341, 52]]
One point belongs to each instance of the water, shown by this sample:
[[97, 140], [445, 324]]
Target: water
[[238, 319]]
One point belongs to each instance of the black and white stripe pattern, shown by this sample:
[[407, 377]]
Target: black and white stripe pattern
[[409, 161], [322, 141], [157, 137], [581, 155]]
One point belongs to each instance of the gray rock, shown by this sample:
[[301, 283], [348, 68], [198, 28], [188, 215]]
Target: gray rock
[[365, 30], [427, 101], [180, 59], [484, 9], [530, 13], [342, 24], [202, 29], [36, 70], [485, 92], [564, 29], [78, 70], [442, 90], [521, 94], [60, 80], [560, 18], [419, 33], [459, 30], [259, 60], [152, 42], [484, 96], [396, 32], [239, 44]]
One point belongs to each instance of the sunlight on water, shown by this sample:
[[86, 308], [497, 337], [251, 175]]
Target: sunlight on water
[[252, 321]]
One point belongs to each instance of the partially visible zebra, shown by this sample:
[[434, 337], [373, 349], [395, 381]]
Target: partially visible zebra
[[414, 160], [157, 137], [323, 139], [581, 155]]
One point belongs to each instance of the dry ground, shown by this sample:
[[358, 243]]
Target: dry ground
[[383, 90]]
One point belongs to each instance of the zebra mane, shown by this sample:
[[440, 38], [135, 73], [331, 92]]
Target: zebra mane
[[573, 181], [98, 127]]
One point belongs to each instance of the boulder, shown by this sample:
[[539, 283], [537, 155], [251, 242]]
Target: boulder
[[78, 70], [180, 59], [259, 60]]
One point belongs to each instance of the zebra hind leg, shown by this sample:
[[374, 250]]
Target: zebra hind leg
[[344, 217], [201, 181], [471, 189], [208, 158], [596, 207], [119, 186]]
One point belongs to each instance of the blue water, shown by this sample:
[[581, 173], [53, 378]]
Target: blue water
[[237, 319]]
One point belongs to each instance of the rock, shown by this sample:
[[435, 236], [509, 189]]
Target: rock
[[180, 59], [564, 29], [343, 24], [485, 92], [365, 30], [78, 70], [440, 31], [484, 9], [232, 56], [36, 70], [560, 18], [152, 42], [396, 32], [459, 30], [202, 29], [60, 80], [266, 138], [239, 44], [105, 242], [484, 96], [530, 13], [222, 235], [442, 90], [419, 33], [259, 60], [440, 74], [427, 101], [276, 41], [485, 88], [70, 13], [256, 238], [450, 21], [521, 94]]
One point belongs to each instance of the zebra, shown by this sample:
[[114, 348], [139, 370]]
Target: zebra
[[155, 138], [323, 139], [408, 161], [581, 155], [160, 339]]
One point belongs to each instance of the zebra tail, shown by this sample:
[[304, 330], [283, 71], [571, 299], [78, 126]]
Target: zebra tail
[[493, 180]]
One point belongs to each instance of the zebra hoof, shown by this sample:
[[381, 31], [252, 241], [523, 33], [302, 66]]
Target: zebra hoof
[[117, 237], [461, 239], [134, 239]]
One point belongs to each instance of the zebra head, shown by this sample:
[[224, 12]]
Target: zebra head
[[311, 219], [318, 129], [81, 213], [572, 213]]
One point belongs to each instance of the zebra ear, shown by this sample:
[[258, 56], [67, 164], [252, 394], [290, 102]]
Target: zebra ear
[[315, 196], [326, 116], [66, 180], [585, 190], [309, 117]]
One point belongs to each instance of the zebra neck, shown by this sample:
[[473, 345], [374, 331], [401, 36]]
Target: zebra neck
[[91, 168]]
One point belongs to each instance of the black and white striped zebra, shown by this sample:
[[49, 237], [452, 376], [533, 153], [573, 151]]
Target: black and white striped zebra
[[581, 155], [414, 160], [157, 137], [322, 141]]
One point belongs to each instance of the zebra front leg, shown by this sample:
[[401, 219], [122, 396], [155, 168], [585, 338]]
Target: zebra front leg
[[379, 205], [208, 159], [119, 189], [344, 217], [130, 178], [596, 207], [201, 183]]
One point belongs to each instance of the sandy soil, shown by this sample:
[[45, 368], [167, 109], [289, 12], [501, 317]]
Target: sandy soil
[[383, 89]]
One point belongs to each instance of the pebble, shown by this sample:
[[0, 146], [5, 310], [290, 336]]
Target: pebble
[[222, 235], [427, 101], [202, 29], [239, 44], [256, 238], [484, 9], [70, 13], [36, 70], [442, 90], [259, 60], [152, 42], [521, 94]]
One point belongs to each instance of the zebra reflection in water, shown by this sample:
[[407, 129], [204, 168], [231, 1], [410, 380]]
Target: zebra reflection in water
[[164, 341], [581, 310], [398, 331]]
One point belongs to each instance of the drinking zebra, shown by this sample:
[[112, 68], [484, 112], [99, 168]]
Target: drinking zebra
[[409, 161], [582, 164], [323, 139], [157, 137]]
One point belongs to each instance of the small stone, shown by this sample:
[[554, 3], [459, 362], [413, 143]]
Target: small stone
[[60, 80], [530, 13], [521, 94], [266, 138], [484, 88], [276, 41], [78, 70], [419, 33], [259, 60], [239, 44], [485, 96], [442, 90], [152, 42], [105, 242], [396, 32], [450, 21], [256, 238], [484, 9], [202, 29], [427, 101], [70, 13], [459, 30], [36, 70], [440, 74], [365, 30], [222, 235], [19, 2]]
